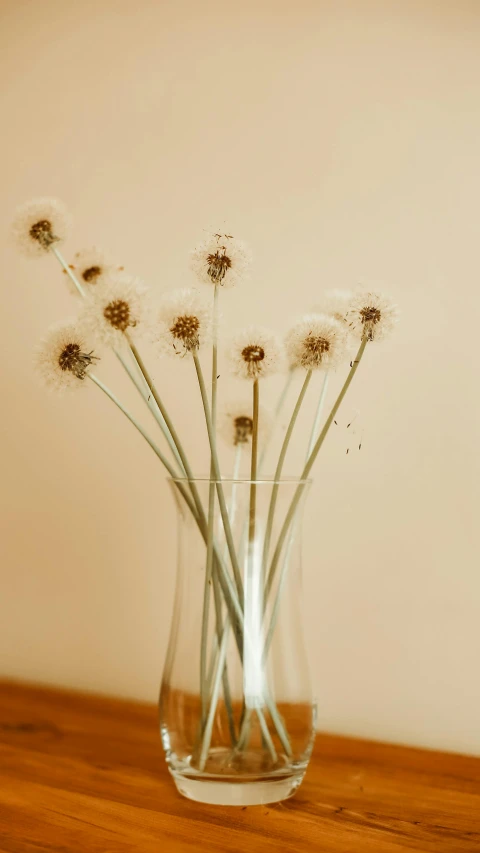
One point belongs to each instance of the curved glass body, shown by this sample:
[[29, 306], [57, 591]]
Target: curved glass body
[[237, 715]]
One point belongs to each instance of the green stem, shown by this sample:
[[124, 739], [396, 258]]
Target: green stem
[[152, 406], [309, 464], [218, 479], [225, 680], [279, 469], [73, 278], [279, 591], [286, 561], [169, 423], [228, 588], [245, 730], [135, 423], [266, 735], [253, 677], [210, 528], [232, 511], [253, 471], [231, 546], [206, 600], [207, 735], [318, 415], [278, 409]]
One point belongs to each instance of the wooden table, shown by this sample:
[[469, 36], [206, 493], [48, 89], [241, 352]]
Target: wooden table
[[85, 774]]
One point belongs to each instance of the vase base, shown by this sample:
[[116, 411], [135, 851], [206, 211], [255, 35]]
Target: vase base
[[223, 793]]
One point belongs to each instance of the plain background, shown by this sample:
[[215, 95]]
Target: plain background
[[341, 141]]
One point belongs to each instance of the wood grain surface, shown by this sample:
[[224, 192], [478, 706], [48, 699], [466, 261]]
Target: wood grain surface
[[86, 774]]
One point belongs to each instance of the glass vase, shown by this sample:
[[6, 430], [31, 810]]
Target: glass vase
[[237, 717]]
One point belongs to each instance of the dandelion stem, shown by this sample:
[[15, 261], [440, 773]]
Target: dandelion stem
[[278, 471], [232, 511], [152, 407], [266, 735], [143, 389], [146, 396], [253, 468], [228, 588], [245, 730], [210, 525], [286, 560], [253, 606], [214, 700], [293, 531], [226, 684], [283, 395], [169, 424], [206, 601], [309, 464], [218, 479], [138, 425], [67, 269], [277, 413], [318, 415], [236, 473], [279, 591]]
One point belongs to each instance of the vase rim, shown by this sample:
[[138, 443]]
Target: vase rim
[[266, 481]]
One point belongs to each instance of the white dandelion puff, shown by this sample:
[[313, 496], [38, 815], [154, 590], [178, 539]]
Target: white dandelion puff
[[40, 224], [184, 323], [335, 303], [64, 357], [371, 315], [235, 424], [117, 306], [316, 341], [92, 268], [256, 353], [221, 259]]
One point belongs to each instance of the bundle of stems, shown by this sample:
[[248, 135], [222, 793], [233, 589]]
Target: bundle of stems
[[245, 604]]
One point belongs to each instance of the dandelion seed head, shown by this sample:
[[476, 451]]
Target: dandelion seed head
[[38, 225], [184, 323], [185, 328], [118, 305], [92, 273], [256, 353], [64, 357], [221, 260], [118, 314], [235, 423], [334, 303], [316, 341], [243, 429], [371, 315], [92, 268], [253, 354]]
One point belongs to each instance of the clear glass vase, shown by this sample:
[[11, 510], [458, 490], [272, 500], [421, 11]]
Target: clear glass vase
[[237, 716]]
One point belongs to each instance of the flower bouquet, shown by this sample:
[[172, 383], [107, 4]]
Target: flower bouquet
[[237, 716]]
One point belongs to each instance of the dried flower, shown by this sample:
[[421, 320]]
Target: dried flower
[[316, 341], [371, 315], [221, 260], [184, 322], [64, 357], [335, 303], [114, 307], [38, 225], [92, 268], [256, 353], [236, 423]]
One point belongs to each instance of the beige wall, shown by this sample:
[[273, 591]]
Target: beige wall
[[341, 139]]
